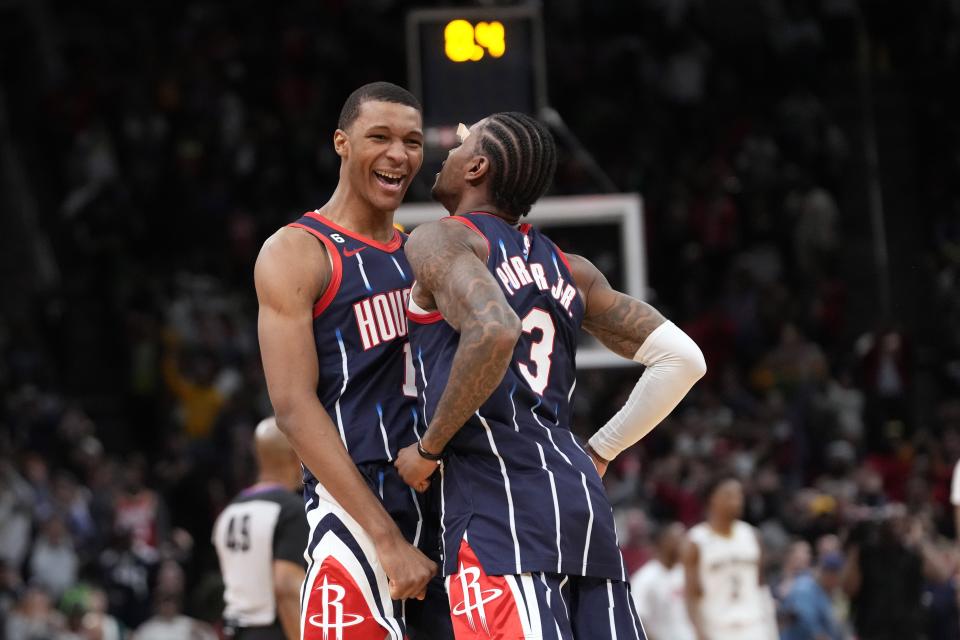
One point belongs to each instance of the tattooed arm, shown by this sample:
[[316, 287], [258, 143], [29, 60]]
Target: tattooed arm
[[620, 322], [448, 261], [635, 330]]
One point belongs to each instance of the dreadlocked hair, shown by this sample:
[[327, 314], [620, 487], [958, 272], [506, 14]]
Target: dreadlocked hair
[[523, 158]]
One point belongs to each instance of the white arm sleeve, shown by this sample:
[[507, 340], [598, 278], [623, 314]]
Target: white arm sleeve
[[674, 363]]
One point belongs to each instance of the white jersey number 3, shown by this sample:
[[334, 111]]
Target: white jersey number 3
[[540, 350]]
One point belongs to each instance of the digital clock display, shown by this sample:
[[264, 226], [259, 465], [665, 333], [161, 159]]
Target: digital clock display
[[465, 65]]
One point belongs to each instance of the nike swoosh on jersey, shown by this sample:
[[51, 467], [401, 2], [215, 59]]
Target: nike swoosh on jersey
[[347, 253]]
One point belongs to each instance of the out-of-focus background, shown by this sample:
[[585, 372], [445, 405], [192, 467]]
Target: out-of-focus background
[[799, 167]]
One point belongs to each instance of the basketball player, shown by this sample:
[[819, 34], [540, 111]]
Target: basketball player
[[260, 538], [528, 533], [726, 597], [332, 288], [658, 589]]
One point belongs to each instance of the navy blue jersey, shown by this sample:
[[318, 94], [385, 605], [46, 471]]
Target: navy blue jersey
[[515, 480], [366, 373]]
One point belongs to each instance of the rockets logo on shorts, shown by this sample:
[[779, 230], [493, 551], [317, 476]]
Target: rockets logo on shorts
[[331, 605], [474, 597], [337, 609], [482, 606]]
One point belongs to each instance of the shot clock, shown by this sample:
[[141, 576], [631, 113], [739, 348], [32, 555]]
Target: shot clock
[[467, 63]]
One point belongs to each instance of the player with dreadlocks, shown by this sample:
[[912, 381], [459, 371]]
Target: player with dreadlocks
[[528, 535]]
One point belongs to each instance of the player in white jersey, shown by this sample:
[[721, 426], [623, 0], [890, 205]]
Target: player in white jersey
[[260, 538], [658, 589], [725, 593]]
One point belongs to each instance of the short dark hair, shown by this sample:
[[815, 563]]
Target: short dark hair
[[378, 92], [715, 482], [523, 158]]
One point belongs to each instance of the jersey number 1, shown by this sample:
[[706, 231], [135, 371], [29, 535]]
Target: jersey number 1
[[409, 373], [540, 350]]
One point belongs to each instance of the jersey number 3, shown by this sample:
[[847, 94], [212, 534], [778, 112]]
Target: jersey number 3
[[540, 350]]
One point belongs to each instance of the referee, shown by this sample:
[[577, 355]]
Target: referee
[[260, 538]]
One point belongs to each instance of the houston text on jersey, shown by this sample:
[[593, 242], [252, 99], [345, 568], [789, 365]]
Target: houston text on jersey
[[382, 317]]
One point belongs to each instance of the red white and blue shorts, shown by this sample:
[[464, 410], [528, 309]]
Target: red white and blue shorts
[[345, 595], [541, 606]]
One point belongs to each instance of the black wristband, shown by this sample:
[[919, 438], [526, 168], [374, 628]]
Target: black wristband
[[432, 457]]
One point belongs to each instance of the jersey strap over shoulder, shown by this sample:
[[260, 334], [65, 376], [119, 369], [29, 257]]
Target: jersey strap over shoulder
[[514, 477]]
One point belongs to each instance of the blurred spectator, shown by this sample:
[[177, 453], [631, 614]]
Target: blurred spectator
[[200, 400], [71, 502], [126, 580], [795, 364], [170, 578], [889, 557], [885, 361], [815, 234], [168, 622], [36, 471], [36, 619], [795, 564], [16, 509], [845, 402], [807, 605], [684, 71], [675, 484], [658, 589], [140, 511], [85, 608], [633, 531], [940, 598], [53, 562], [11, 587], [98, 624]]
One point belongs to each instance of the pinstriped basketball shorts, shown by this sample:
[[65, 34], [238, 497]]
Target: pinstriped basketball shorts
[[345, 595], [538, 606]]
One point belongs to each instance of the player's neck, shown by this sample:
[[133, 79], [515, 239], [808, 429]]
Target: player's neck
[[721, 526], [357, 215], [470, 204]]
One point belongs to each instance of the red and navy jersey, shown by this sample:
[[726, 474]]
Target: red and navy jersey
[[515, 480], [360, 329]]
